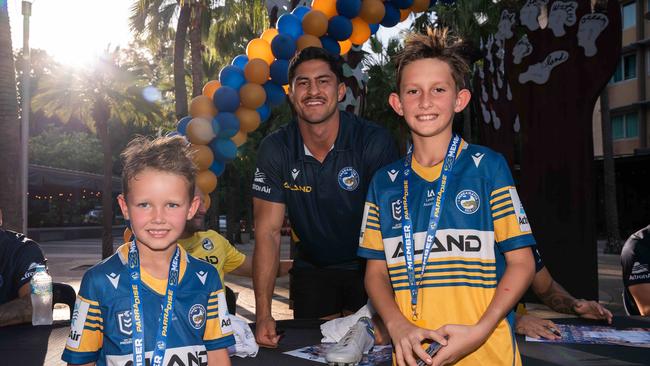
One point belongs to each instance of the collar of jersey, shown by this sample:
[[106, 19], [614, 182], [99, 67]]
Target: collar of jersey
[[158, 285], [430, 174]]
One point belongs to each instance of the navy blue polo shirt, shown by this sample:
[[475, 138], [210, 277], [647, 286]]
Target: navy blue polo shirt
[[325, 201], [19, 257]]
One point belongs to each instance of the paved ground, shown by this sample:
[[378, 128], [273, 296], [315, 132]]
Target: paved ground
[[68, 260]]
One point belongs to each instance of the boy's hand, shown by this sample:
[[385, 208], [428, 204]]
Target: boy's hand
[[535, 327], [461, 340], [591, 310], [265, 334], [407, 340]]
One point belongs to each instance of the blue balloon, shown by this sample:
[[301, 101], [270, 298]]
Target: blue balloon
[[349, 8], [290, 25], [300, 11], [403, 4], [217, 167], [331, 45], [391, 17], [280, 72], [283, 46], [223, 149], [232, 76], [373, 28], [240, 61], [172, 134], [274, 93], [181, 127], [226, 99], [339, 28], [227, 123], [265, 112]]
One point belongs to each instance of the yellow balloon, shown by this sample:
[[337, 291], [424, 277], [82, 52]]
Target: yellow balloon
[[403, 14], [202, 156], [206, 181], [360, 31], [252, 95], [372, 11], [286, 88], [240, 138], [199, 131], [259, 48], [315, 23], [206, 201], [307, 40], [328, 7], [419, 6], [269, 34], [202, 106], [127, 235], [210, 87], [345, 46], [249, 119], [257, 71]]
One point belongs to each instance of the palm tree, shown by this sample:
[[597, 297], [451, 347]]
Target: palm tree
[[10, 194], [108, 94]]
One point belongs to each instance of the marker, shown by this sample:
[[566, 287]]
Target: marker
[[555, 331]]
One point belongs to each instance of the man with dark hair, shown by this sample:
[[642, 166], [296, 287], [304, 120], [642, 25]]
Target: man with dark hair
[[635, 259], [19, 257], [318, 167]]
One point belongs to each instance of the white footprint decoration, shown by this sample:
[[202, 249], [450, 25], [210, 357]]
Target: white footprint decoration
[[484, 94], [589, 29], [499, 79], [486, 114], [530, 12], [495, 92], [508, 92], [522, 48], [496, 121], [505, 25], [489, 56], [540, 72], [517, 125], [562, 14]]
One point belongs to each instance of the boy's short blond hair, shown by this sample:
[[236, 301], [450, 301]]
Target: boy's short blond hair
[[439, 44], [165, 154]]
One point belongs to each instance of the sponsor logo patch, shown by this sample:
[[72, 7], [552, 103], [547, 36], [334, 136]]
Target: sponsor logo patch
[[114, 279], [202, 275], [125, 322], [392, 174], [477, 158], [348, 178], [224, 317], [79, 315], [294, 173], [197, 315], [207, 244], [259, 177], [522, 219], [468, 201], [396, 209], [30, 271]]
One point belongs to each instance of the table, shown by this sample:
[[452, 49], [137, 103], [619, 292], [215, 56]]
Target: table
[[300, 333], [27, 345]]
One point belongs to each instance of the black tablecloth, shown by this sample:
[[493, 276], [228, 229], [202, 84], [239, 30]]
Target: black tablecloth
[[300, 333], [26, 345]]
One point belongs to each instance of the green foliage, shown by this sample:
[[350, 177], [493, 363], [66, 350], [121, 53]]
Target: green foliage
[[67, 150]]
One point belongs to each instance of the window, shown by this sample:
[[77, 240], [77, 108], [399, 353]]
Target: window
[[625, 126], [626, 69], [629, 15]]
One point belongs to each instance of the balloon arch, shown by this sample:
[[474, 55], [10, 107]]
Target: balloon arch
[[236, 104]]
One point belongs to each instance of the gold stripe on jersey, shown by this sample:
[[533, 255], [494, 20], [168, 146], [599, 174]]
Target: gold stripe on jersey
[[372, 239], [507, 228]]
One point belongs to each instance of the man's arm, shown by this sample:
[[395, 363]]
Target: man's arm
[[18, 310], [463, 339], [266, 256], [407, 338], [641, 294], [246, 268]]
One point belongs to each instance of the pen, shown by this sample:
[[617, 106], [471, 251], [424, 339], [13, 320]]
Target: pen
[[555, 331]]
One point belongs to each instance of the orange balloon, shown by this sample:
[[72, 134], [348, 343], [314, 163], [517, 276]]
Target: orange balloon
[[127, 235], [286, 88], [315, 23], [206, 181], [202, 106], [419, 6], [269, 34], [257, 71], [199, 131], [345, 46], [328, 7], [403, 14], [210, 87], [360, 31], [307, 40], [372, 11], [202, 156], [249, 119], [252, 95], [206, 201], [240, 138], [259, 48]]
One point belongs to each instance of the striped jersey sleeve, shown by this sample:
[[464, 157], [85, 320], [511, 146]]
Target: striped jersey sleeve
[[371, 244], [511, 227], [218, 330]]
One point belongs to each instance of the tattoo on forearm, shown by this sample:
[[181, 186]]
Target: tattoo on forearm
[[16, 311], [558, 299]]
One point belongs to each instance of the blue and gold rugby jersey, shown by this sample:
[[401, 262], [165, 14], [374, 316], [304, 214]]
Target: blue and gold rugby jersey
[[102, 323], [481, 219]]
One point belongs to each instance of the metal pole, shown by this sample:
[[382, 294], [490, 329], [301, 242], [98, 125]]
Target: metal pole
[[26, 102]]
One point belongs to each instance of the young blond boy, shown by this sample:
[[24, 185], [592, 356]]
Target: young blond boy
[[460, 200], [150, 302]]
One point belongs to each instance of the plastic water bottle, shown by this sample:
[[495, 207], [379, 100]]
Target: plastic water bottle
[[41, 288]]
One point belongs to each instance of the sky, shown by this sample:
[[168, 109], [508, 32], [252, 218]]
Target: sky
[[74, 32]]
